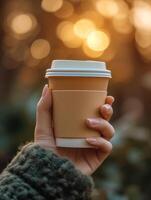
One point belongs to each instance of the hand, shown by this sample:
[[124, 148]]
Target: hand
[[86, 160]]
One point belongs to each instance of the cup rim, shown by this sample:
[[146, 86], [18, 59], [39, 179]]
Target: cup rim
[[79, 68]]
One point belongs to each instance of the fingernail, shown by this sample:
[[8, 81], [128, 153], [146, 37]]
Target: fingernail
[[44, 90], [91, 121], [92, 140]]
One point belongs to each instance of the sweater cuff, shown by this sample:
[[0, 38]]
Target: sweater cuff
[[52, 176]]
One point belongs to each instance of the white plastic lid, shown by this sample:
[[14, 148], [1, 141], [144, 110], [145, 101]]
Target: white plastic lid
[[78, 68]]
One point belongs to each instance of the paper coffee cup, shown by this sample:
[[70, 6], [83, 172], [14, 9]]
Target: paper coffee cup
[[79, 88]]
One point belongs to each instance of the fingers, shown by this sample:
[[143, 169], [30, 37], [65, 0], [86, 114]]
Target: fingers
[[103, 147], [106, 111], [109, 100], [44, 91], [100, 143], [102, 126], [43, 129]]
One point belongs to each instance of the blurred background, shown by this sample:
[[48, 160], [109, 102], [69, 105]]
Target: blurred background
[[33, 33]]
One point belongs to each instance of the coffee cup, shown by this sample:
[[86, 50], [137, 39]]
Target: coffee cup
[[79, 88]]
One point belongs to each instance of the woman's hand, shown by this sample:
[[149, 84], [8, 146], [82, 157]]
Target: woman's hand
[[86, 160]]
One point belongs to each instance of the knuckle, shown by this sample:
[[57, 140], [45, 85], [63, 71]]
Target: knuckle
[[113, 131], [100, 123], [108, 129], [101, 120], [39, 105], [109, 147], [105, 128], [103, 123], [107, 111], [111, 111]]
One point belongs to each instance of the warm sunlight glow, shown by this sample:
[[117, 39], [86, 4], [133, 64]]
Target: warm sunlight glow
[[141, 16], [98, 40], [66, 33], [90, 53], [51, 5], [94, 16], [83, 27], [40, 49], [65, 11], [21, 24], [107, 8], [122, 24], [143, 39]]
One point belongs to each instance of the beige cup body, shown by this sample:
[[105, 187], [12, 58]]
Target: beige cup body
[[78, 83], [74, 100]]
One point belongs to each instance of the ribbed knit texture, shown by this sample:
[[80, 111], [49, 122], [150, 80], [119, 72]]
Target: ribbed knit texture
[[39, 174]]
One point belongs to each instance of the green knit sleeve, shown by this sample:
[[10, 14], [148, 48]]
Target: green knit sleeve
[[39, 174]]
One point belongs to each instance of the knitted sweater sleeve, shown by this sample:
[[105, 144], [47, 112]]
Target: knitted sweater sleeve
[[39, 174]]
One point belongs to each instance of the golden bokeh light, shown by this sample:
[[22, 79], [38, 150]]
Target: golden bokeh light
[[94, 17], [107, 8], [143, 39], [65, 11], [21, 24], [40, 49], [98, 40], [74, 43], [141, 15], [122, 24], [121, 21], [123, 10], [66, 33], [83, 27], [145, 53], [90, 53], [51, 5]]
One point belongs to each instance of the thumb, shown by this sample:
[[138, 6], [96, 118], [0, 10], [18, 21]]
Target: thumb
[[43, 128]]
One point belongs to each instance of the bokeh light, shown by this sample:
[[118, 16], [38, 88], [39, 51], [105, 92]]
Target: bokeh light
[[83, 27], [40, 49], [141, 15], [22, 23], [122, 24], [118, 32], [94, 16], [143, 39], [65, 11], [90, 53], [107, 8], [145, 53], [98, 40], [121, 21], [65, 31], [51, 5]]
